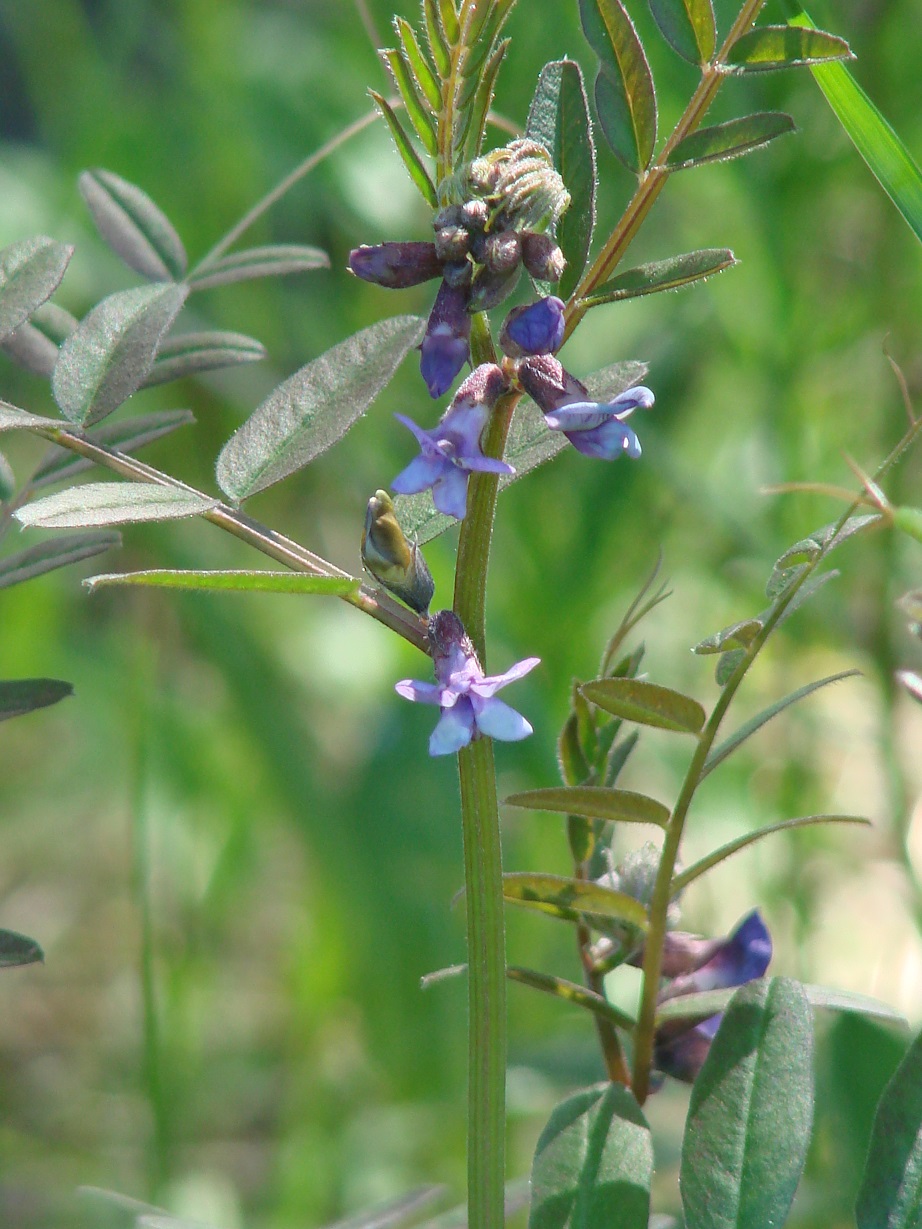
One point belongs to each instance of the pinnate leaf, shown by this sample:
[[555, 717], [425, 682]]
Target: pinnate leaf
[[624, 94], [52, 554], [646, 703], [594, 802], [771, 47], [19, 696], [669, 274], [559, 119], [751, 1111], [315, 407], [688, 26], [30, 272], [113, 349], [113, 503], [192, 353], [272, 260], [593, 1164], [259, 581], [133, 226], [127, 435], [572, 899], [729, 140], [16, 949], [891, 1189]]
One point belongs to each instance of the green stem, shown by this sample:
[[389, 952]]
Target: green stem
[[663, 888], [654, 179], [483, 868], [284, 550]]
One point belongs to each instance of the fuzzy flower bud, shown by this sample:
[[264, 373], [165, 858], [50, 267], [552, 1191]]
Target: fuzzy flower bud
[[395, 265], [537, 328], [391, 559], [541, 257]]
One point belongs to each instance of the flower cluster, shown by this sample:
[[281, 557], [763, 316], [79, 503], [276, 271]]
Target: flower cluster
[[500, 206], [466, 696]]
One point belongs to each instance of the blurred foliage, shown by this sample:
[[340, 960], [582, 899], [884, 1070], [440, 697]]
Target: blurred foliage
[[245, 756]]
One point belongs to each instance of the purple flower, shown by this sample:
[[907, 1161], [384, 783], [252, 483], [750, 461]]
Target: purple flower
[[742, 957], [451, 451], [465, 695], [595, 428], [535, 329], [446, 346]]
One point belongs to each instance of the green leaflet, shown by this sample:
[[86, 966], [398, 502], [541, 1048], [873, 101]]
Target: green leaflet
[[271, 260], [688, 26], [646, 703], [594, 802], [729, 140], [593, 1164], [658, 275], [767, 48], [891, 1188], [30, 272], [19, 696], [133, 226], [559, 119], [113, 503], [259, 581], [624, 94]]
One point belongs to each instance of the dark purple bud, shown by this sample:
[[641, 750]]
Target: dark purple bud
[[489, 289], [446, 345], [535, 329], [452, 243], [396, 265], [548, 383], [502, 252], [449, 215], [475, 214], [458, 273], [542, 257]]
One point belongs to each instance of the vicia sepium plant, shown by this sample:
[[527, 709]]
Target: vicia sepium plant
[[515, 218]]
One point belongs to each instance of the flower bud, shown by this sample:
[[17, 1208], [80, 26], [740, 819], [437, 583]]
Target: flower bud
[[446, 345], [502, 252], [548, 383], [537, 328], [488, 289], [475, 214], [391, 559], [395, 265], [452, 243], [542, 257]]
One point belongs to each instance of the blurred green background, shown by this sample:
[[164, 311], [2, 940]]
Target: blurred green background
[[246, 759]]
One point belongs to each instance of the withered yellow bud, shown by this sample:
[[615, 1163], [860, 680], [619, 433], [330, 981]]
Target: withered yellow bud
[[391, 559]]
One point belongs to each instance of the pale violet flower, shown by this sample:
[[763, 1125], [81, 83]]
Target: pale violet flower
[[466, 696], [451, 451]]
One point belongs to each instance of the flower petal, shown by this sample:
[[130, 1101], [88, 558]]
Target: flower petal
[[486, 687], [449, 492], [420, 474], [454, 730], [498, 720], [485, 465], [607, 442], [422, 693]]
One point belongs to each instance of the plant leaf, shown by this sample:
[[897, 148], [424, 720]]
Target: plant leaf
[[127, 435], [729, 140], [408, 154], [315, 407], [691, 873], [696, 1007], [233, 581], [688, 26], [570, 992], [30, 272], [559, 119], [112, 350], [271, 260], [736, 636], [891, 1189], [767, 48], [192, 353], [34, 345], [52, 554], [411, 92], [624, 94], [16, 949], [593, 1164], [113, 503], [646, 703], [594, 802], [751, 1111], [426, 79], [133, 226], [439, 45], [825, 539], [530, 443], [475, 123], [19, 696], [719, 754], [888, 159], [670, 274], [572, 899], [14, 419]]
